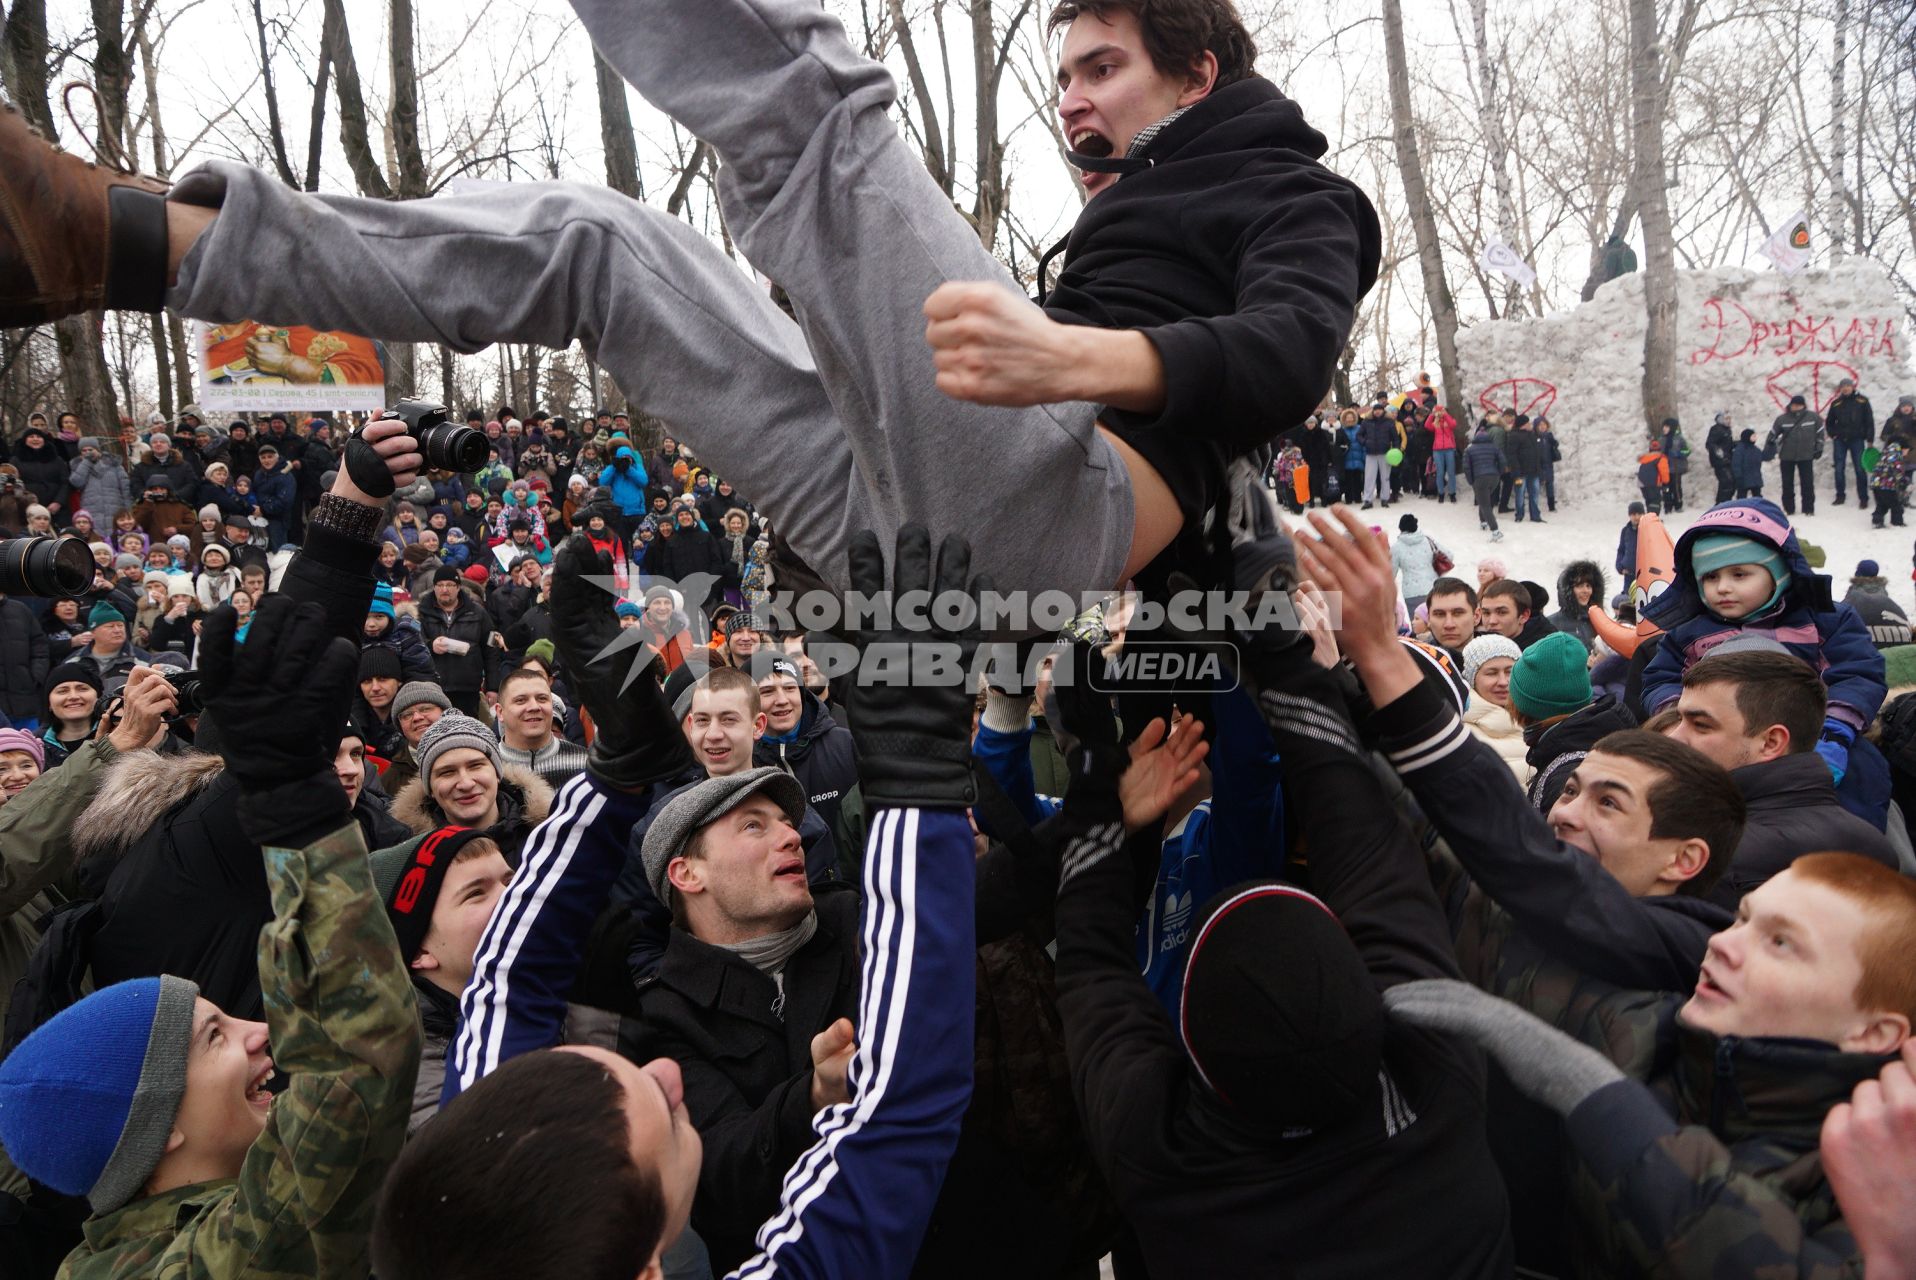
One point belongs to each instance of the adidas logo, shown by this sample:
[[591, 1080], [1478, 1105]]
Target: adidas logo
[[1175, 923]]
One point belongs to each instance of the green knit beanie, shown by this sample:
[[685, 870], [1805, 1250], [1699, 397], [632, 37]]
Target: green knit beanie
[[1552, 678]]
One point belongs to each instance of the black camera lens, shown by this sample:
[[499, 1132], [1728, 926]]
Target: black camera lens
[[49, 568], [447, 447], [187, 691], [444, 445]]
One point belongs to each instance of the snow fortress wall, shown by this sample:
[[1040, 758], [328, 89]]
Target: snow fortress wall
[[1746, 342]]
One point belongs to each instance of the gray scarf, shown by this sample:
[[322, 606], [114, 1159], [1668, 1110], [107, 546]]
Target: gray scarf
[[769, 953]]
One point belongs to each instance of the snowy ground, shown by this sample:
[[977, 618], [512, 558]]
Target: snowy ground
[[1588, 531]]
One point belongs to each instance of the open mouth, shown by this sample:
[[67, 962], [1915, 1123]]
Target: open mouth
[[1706, 988], [794, 869], [1089, 142], [256, 1093]]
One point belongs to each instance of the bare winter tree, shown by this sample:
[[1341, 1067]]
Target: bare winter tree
[[1443, 310]]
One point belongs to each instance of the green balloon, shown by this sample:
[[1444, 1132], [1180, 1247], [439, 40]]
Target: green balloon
[[1871, 456], [1394, 456]]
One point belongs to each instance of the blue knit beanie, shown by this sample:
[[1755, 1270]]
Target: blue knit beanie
[[382, 599], [87, 1101]]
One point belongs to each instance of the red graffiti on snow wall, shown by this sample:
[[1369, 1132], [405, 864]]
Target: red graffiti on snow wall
[[1533, 396]]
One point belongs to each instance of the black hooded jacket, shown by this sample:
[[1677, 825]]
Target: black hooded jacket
[[821, 757], [1556, 748], [1570, 617], [1242, 259]]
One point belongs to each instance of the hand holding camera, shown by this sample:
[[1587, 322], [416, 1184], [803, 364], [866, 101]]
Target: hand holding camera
[[394, 448]]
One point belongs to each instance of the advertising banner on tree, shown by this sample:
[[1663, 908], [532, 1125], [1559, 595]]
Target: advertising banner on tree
[[248, 367]]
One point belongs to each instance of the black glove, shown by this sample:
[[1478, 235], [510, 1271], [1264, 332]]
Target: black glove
[[636, 742], [914, 738], [280, 699], [366, 467], [1082, 721]]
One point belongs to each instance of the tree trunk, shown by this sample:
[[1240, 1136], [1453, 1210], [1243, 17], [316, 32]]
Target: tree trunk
[[615, 131], [353, 136], [162, 364], [26, 64], [316, 130], [446, 396], [1443, 308], [112, 75], [275, 131], [988, 61], [84, 374], [935, 155], [405, 103], [182, 366], [409, 160], [1647, 95], [1839, 134], [1490, 117]]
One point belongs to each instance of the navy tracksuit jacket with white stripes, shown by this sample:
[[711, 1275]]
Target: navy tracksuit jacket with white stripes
[[857, 1201]]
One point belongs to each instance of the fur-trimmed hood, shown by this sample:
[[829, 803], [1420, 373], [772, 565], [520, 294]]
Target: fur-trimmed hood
[[527, 800], [136, 790]]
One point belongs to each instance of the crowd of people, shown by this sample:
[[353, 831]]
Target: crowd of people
[[1255, 958], [1409, 443], [421, 873]]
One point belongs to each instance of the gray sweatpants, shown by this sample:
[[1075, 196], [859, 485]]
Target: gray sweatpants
[[829, 425]]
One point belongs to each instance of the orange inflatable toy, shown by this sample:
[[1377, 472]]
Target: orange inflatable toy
[[1656, 569]]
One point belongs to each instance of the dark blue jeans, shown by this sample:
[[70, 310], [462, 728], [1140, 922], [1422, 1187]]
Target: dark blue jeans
[[1853, 449], [1528, 489]]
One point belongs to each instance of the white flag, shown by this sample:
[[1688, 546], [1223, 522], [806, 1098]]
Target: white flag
[[1501, 258], [1789, 248]]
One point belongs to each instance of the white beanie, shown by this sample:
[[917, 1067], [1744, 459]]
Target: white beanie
[[1482, 650]]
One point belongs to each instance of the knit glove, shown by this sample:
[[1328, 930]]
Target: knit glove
[[1834, 747], [910, 719], [637, 741], [1544, 1063], [280, 700]]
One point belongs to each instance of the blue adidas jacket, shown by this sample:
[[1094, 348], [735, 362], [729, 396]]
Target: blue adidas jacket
[[1236, 835], [857, 1201]]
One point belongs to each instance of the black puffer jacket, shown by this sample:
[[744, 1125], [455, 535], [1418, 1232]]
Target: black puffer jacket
[[23, 660], [46, 473], [1792, 810], [182, 890], [477, 667], [1242, 259]]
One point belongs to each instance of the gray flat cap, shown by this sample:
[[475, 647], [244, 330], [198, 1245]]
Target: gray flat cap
[[704, 802]]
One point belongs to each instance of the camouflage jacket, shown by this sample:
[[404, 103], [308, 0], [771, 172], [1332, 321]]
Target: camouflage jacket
[[1712, 1171], [346, 1033]]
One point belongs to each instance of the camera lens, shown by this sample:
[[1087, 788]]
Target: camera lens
[[447, 447], [188, 693], [48, 568]]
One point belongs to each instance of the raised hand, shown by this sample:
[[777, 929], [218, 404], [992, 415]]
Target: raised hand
[[280, 701], [914, 735], [637, 741], [1162, 766]]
